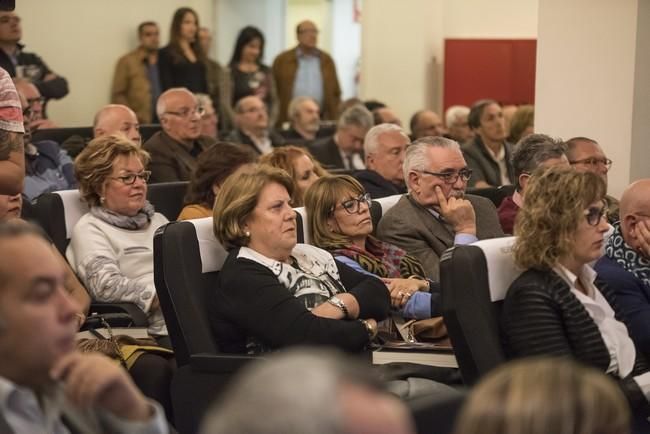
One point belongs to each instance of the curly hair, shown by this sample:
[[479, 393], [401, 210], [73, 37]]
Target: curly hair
[[237, 199], [320, 200], [283, 158], [94, 164], [553, 207]]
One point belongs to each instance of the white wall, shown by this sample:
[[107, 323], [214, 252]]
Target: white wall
[[82, 39], [346, 46]]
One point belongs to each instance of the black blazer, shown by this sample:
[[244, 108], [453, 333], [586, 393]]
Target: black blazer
[[542, 317], [327, 153]]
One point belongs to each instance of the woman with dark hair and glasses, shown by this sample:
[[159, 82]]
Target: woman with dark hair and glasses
[[247, 75], [338, 215], [558, 306]]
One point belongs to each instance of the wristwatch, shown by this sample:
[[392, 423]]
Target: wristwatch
[[335, 301], [370, 328]]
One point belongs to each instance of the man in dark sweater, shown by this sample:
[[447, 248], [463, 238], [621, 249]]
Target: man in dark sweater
[[384, 148]]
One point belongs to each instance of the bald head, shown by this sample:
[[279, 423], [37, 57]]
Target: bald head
[[307, 34], [635, 208], [117, 118]]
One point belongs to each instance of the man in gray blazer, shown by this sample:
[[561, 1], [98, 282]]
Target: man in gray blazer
[[436, 214]]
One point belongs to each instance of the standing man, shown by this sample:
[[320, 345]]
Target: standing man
[[21, 64], [307, 71], [136, 83]]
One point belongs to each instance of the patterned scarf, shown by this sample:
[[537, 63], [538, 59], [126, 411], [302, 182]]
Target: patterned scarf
[[628, 258], [382, 259], [139, 221]]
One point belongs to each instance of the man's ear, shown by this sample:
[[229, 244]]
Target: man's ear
[[413, 181], [523, 180], [370, 161], [628, 222]]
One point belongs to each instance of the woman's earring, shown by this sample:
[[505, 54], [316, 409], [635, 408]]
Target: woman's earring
[[102, 199], [248, 234]]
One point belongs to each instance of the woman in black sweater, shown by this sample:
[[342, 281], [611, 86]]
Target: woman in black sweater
[[182, 62], [272, 292], [557, 306]]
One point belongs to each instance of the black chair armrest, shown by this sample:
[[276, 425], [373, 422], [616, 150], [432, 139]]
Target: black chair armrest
[[138, 317], [219, 363]]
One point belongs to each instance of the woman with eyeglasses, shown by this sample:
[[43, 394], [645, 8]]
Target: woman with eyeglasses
[[111, 247], [338, 215], [558, 306]]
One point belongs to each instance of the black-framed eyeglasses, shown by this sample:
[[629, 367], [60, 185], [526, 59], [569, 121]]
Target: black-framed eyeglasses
[[352, 206], [593, 162], [27, 112], [188, 112], [450, 177], [131, 177], [595, 214]]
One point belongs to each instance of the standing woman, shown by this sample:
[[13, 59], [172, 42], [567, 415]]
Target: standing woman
[[247, 75], [182, 62]]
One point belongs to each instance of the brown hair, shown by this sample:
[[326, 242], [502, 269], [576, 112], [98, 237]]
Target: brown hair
[[175, 32], [553, 206], [283, 158], [95, 163], [237, 199], [320, 200], [213, 166], [522, 119]]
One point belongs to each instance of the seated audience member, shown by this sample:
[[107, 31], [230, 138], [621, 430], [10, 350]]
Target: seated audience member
[[300, 165], [252, 126], [436, 213], [384, 147], [590, 402], [586, 155], [272, 292], [326, 393], [488, 154], [385, 115], [531, 153], [47, 385], [457, 126], [12, 152], [35, 102], [426, 123], [209, 118], [213, 167], [304, 118], [338, 214], [136, 80], [47, 166], [626, 264], [556, 307], [111, 247], [174, 150], [522, 124], [21, 64], [344, 149]]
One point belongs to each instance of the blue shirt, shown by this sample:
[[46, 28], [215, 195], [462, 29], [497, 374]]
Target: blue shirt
[[309, 80]]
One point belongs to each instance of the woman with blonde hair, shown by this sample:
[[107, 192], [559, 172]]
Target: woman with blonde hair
[[271, 291], [338, 216], [557, 307], [300, 165], [544, 396]]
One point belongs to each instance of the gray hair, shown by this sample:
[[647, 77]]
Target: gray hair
[[293, 392], [454, 112], [294, 105], [533, 150], [357, 115], [371, 141], [161, 104], [417, 154], [203, 100]]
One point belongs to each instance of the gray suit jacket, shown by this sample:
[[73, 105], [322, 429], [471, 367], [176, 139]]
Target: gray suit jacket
[[412, 227]]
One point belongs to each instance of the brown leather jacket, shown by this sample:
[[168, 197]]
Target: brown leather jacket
[[131, 85], [284, 73]]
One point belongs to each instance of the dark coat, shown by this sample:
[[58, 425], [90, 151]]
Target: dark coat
[[377, 185], [484, 167], [172, 160]]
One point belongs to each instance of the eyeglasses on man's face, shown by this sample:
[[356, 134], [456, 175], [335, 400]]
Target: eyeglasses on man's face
[[593, 162], [188, 112], [352, 206], [129, 179], [450, 177], [595, 214]]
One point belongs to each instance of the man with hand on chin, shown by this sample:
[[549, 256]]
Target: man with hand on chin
[[45, 385], [436, 214]]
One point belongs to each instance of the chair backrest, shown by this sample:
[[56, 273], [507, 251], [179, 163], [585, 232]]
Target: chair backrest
[[148, 130], [495, 194], [474, 280], [380, 206], [60, 135], [187, 259], [57, 213], [167, 197], [302, 227]]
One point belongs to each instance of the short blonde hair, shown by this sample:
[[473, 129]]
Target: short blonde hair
[[545, 395], [283, 158], [553, 207], [94, 164], [320, 200], [237, 199]]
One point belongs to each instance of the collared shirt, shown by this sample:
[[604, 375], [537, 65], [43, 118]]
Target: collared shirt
[[263, 144], [500, 159], [518, 199], [309, 79], [154, 80], [460, 239], [20, 408]]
